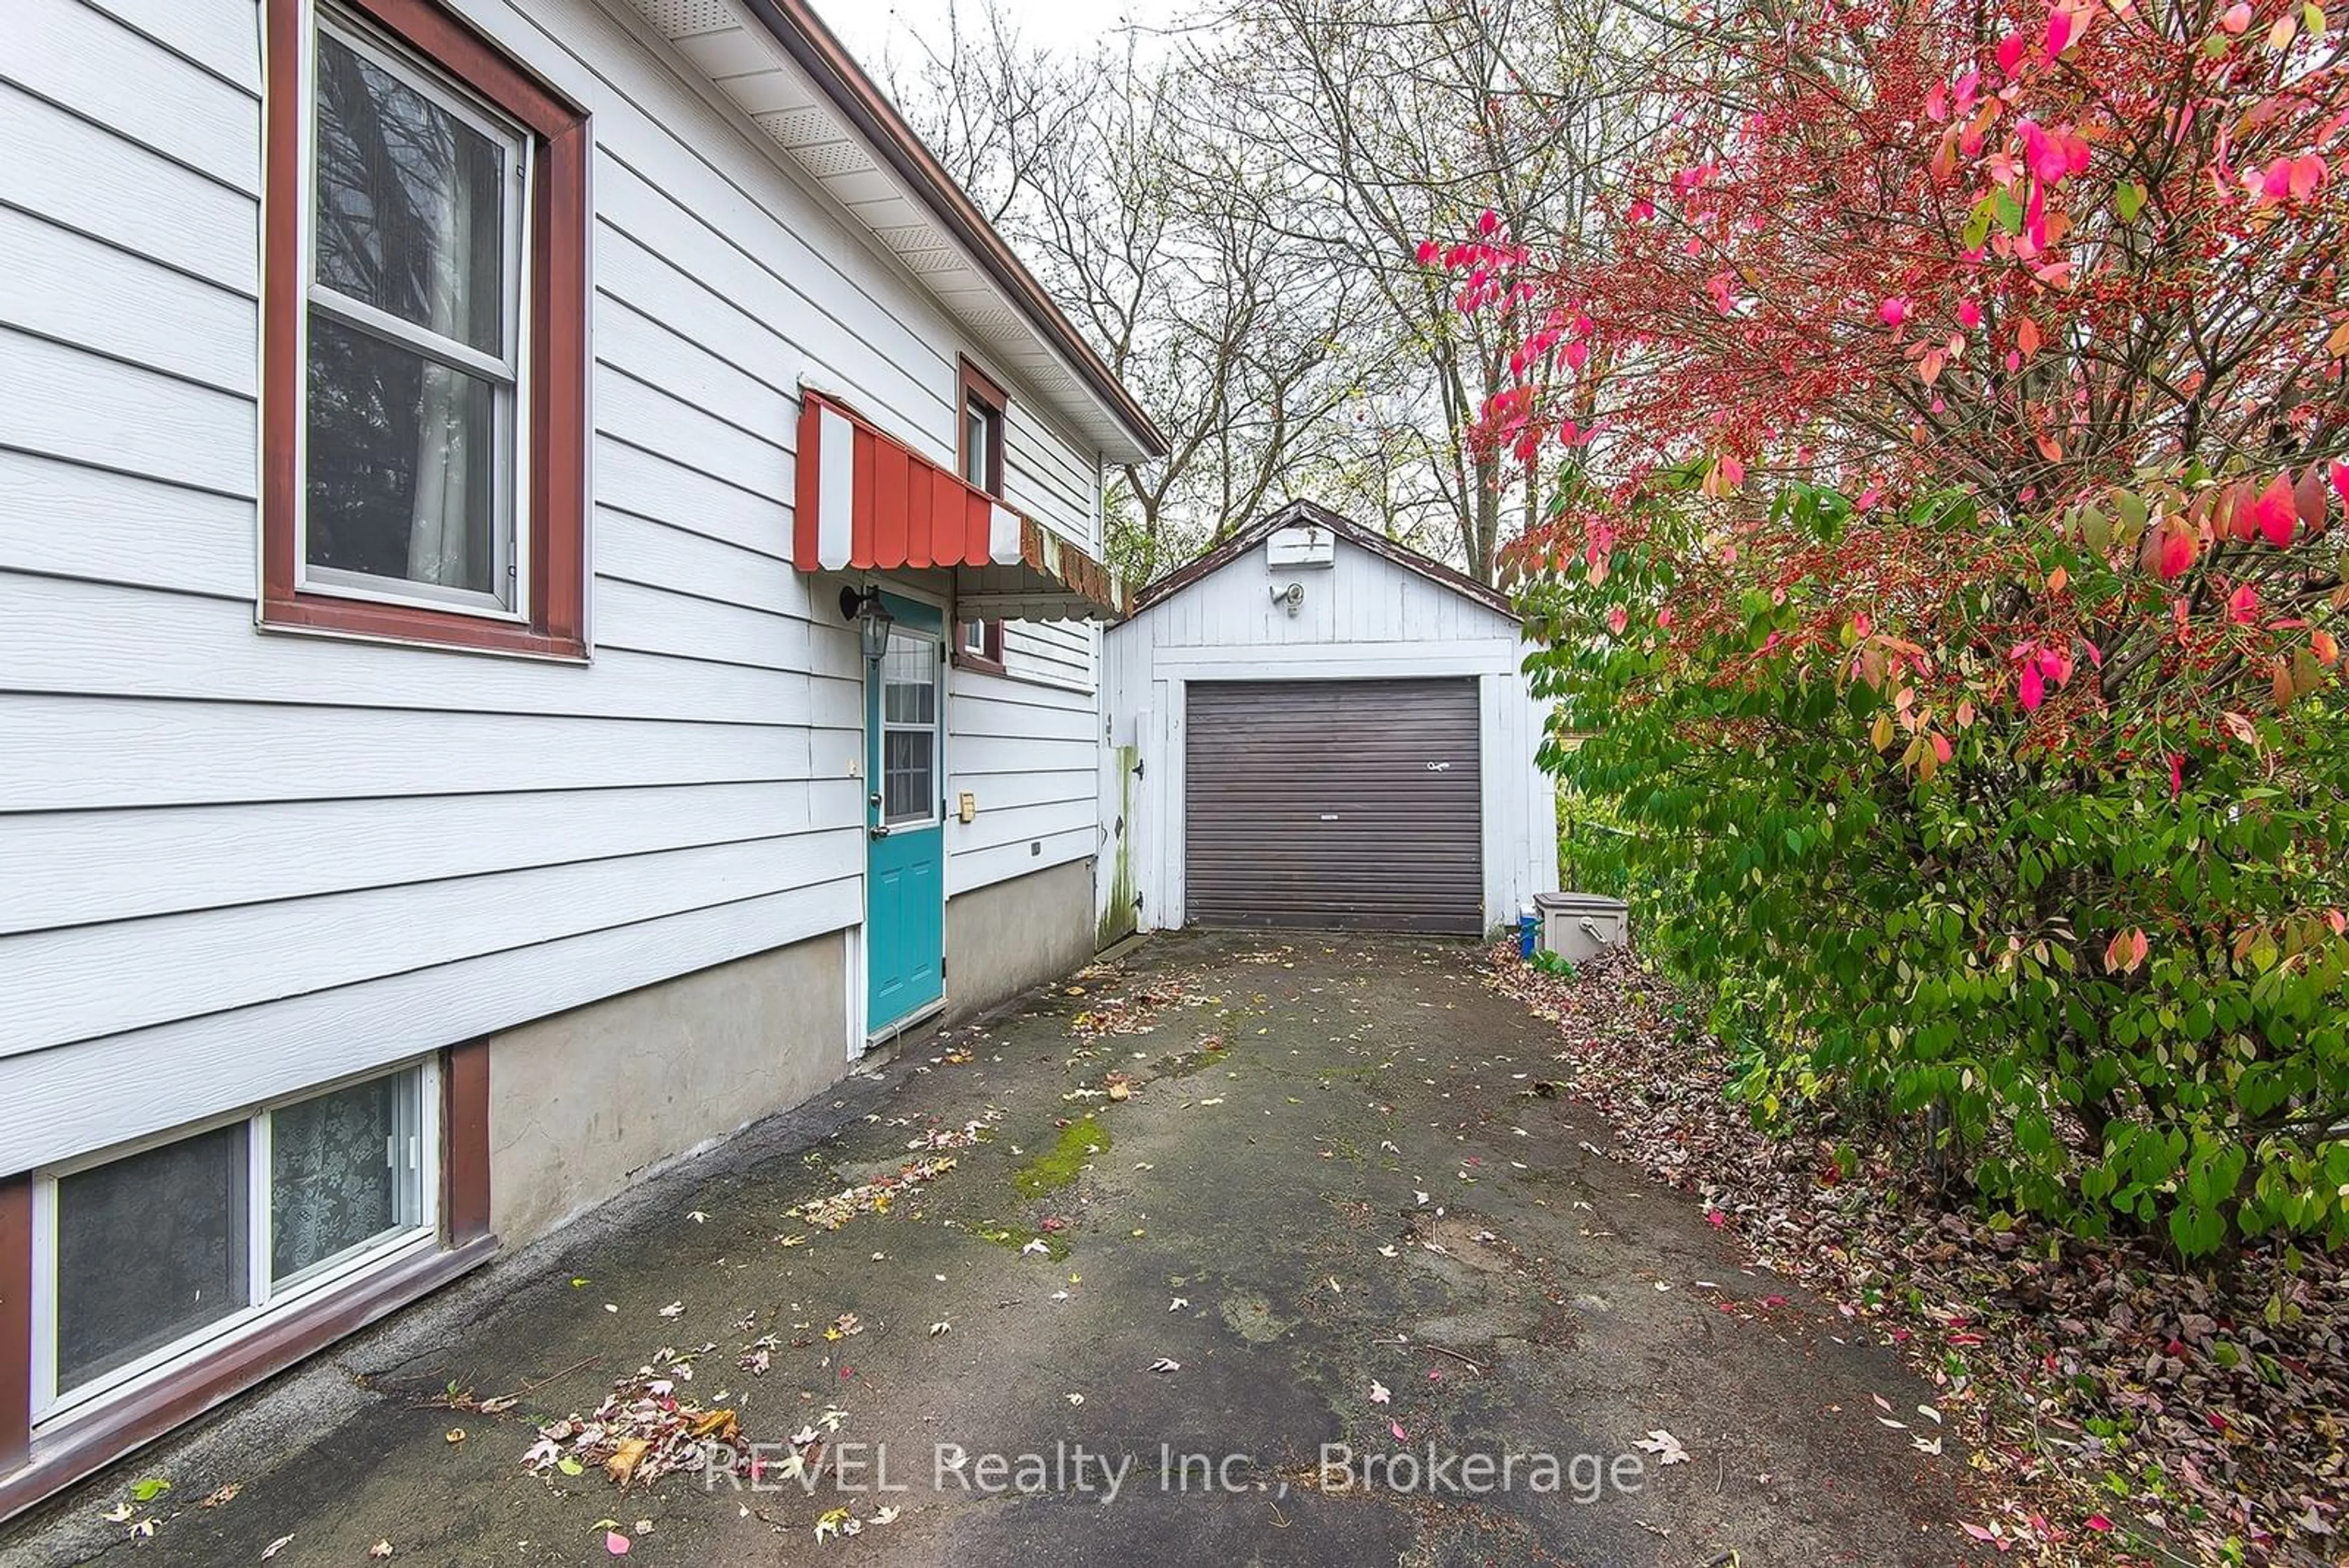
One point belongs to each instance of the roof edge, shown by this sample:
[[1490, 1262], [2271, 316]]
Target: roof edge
[[806, 39], [1345, 529]]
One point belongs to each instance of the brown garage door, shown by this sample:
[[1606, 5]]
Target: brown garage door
[[1336, 804]]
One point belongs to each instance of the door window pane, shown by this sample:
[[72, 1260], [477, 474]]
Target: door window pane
[[907, 776], [909, 736], [403, 459], [410, 202], [909, 682], [149, 1249], [340, 1172]]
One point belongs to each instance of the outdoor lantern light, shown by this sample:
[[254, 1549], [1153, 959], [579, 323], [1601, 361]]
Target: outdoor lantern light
[[872, 618]]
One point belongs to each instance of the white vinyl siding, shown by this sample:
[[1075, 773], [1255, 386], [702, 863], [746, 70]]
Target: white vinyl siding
[[1046, 476], [246, 863], [1029, 753]]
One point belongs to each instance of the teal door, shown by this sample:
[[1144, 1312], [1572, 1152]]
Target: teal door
[[905, 906]]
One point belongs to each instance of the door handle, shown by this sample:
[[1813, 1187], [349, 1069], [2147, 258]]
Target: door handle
[[882, 831]]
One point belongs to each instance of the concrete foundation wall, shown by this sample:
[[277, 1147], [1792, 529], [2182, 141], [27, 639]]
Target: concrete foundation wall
[[581, 1104], [1003, 938]]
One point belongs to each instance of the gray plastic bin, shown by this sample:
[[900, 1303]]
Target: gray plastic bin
[[1579, 926]]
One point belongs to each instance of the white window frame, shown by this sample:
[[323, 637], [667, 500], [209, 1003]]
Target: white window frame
[[934, 806], [980, 453], [973, 629], [267, 1300], [510, 545]]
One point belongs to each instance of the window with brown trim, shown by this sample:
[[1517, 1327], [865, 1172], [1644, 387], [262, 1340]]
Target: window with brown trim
[[424, 387], [978, 457], [979, 643]]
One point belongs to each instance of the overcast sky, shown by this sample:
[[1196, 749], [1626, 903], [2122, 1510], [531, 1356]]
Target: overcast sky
[[870, 28]]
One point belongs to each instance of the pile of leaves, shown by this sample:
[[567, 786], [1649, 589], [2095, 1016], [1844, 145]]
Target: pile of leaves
[[2129, 1408], [871, 1196], [1134, 1011], [642, 1431], [963, 1136]]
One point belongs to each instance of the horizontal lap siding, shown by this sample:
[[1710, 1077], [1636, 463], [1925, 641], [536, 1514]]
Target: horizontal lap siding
[[1028, 754], [1027, 742], [1047, 475], [240, 863]]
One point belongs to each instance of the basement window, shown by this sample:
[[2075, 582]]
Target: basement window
[[146, 1256]]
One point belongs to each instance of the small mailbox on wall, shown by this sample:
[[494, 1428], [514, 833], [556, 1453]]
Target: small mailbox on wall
[[1304, 544]]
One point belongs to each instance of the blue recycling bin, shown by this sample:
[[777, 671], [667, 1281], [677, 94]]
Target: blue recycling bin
[[1528, 934]]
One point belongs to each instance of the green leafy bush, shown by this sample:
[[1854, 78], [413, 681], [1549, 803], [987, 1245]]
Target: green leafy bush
[[2095, 934]]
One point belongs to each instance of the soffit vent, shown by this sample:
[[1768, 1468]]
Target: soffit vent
[[678, 18], [795, 126], [826, 159]]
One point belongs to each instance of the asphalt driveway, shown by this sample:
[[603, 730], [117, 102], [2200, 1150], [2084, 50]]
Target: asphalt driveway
[[1403, 1308]]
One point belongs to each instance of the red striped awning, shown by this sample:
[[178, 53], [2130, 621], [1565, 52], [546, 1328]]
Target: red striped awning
[[869, 502]]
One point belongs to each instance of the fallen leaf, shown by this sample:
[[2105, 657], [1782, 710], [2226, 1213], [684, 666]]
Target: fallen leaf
[[1664, 1446], [380, 1549], [698, 1217], [674, 1309], [622, 1466], [1178, 1304], [615, 1544], [276, 1546], [939, 1328], [1379, 1393], [1396, 1427], [223, 1497], [1165, 1363]]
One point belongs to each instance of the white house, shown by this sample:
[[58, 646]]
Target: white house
[[452, 455], [1313, 726]]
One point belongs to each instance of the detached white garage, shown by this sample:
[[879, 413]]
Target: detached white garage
[[1313, 727]]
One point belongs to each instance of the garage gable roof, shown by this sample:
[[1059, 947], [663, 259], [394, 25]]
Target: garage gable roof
[[1346, 528]]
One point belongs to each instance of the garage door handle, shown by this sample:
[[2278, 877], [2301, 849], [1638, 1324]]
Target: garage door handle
[[881, 832], [1439, 767]]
